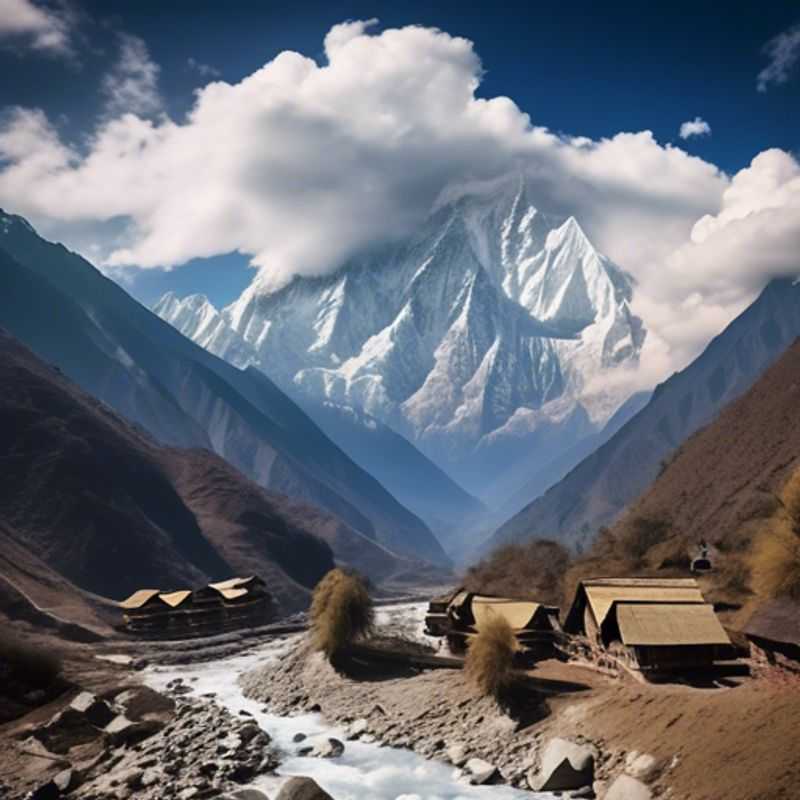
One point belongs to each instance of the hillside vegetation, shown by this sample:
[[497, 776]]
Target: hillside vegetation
[[734, 485]]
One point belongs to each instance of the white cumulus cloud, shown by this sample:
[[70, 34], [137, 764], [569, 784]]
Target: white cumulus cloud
[[132, 84], [694, 127], [36, 25], [783, 52], [302, 164]]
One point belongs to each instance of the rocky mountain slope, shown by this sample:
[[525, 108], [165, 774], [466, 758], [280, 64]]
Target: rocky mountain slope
[[730, 474], [120, 352], [478, 338], [90, 500], [602, 485]]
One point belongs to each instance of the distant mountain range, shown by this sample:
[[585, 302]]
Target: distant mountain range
[[607, 481], [89, 502], [478, 339], [73, 317]]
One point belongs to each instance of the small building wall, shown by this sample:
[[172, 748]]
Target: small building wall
[[678, 656], [768, 653], [590, 627]]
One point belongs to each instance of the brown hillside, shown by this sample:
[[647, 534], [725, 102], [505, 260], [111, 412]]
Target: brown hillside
[[726, 484], [106, 509], [730, 472]]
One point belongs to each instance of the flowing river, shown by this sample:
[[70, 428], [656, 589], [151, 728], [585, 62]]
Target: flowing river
[[364, 771]]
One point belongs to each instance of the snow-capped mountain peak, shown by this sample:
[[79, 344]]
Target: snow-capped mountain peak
[[461, 337]]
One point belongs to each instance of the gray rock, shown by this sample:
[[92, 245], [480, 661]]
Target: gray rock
[[302, 789], [122, 730], [47, 791], [65, 730], [150, 777], [250, 732], [130, 777], [480, 771], [299, 737], [247, 794], [627, 788], [642, 766], [241, 773], [564, 765], [457, 754], [328, 748], [357, 728], [98, 712], [67, 780]]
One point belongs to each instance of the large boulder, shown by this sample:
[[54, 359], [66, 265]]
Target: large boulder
[[627, 788], [69, 728], [565, 766], [480, 771], [302, 789], [142, 702], [122, 730], [96, 711]]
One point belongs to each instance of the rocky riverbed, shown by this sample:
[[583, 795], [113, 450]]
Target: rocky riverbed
[[249, 725], [144, 744]]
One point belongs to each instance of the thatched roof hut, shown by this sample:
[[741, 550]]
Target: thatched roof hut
[[649, 623], [595, 597]]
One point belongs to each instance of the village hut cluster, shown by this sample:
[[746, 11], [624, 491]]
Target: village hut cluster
[[461, 616], [649, 626], [217, 607]]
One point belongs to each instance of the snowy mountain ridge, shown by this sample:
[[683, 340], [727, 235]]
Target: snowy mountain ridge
[[478, 338]]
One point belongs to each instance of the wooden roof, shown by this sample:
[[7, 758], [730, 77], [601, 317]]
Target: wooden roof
[[518, 613], [669, 624], [174, 599], [602, 593], [231, 583], [139, 598], [232, 594], [777, 621]]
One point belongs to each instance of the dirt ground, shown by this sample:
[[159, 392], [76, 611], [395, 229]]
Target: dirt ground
[[711, 744]]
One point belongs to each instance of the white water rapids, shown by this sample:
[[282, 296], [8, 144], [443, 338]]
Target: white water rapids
[[364, 771]]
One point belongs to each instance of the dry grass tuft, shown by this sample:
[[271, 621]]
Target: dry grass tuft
[[489, 664], [341, 612], [640, 536], [530, 571], [776, 557]]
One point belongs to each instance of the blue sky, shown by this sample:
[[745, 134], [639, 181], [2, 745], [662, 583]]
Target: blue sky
[[580, 69], [584, 68]]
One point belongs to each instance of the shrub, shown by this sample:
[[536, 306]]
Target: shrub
[[777, 562], [341, 612], [734, 576], [641, 535], [489, 664], [530, 571]]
